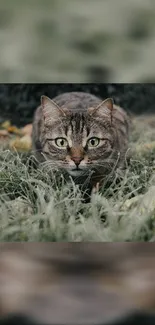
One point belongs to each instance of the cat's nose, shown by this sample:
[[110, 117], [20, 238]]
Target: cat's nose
[[77, 160]]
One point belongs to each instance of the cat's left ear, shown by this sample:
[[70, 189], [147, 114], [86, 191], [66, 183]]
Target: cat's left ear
[[103, 109], [51, 111]]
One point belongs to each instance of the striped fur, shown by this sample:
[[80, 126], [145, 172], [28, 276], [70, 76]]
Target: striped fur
[[78, 117]]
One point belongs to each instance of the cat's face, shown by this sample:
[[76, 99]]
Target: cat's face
[[79, 142]]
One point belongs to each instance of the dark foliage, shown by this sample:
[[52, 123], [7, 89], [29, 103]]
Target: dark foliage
[[133, 320], [18, 101]]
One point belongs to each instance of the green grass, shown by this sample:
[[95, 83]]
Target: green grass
[[37, 205]]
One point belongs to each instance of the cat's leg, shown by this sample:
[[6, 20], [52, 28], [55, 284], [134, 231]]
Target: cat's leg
[[96, 188]]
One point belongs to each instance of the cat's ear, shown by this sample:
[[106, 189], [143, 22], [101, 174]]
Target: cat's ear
[[108, 103], [51, 111], [104, 108]]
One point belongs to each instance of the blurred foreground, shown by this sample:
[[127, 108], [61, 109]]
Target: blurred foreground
[[77, 283]]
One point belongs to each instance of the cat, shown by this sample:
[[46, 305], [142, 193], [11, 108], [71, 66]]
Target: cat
[[77, 283], [82, 135]]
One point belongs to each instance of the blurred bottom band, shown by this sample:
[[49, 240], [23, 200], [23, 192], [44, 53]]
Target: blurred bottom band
[[77, 283], [132, 320]]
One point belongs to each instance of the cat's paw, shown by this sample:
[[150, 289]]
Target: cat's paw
[[96, 188]]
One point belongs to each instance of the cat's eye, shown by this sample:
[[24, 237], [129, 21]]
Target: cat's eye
[[93, 142], [61, 142]]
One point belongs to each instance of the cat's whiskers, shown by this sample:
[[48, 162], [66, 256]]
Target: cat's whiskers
[[50, 165]]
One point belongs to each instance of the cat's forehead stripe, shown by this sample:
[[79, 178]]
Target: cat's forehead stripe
[[77, 128], [69, 136], [78, 122]]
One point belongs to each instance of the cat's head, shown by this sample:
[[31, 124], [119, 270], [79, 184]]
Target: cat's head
[[79, 141]]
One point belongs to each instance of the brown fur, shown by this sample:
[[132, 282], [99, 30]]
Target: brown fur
[[76, 283], [77, 117]]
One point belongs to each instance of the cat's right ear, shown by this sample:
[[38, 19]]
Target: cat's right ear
[[105, 107], [51, 111]]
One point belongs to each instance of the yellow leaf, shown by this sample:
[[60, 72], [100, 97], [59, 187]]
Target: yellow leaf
[[6, 124], [21, 144], [4, 133], [14, 129], [27, 130]]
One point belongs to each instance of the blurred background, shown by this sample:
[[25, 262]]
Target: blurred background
[[77, 41], [19, 101]]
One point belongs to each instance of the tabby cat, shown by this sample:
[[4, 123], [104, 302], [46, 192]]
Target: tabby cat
[[77, 283], [82, 135]]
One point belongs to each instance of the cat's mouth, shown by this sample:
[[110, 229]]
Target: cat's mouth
[[77, 171]]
